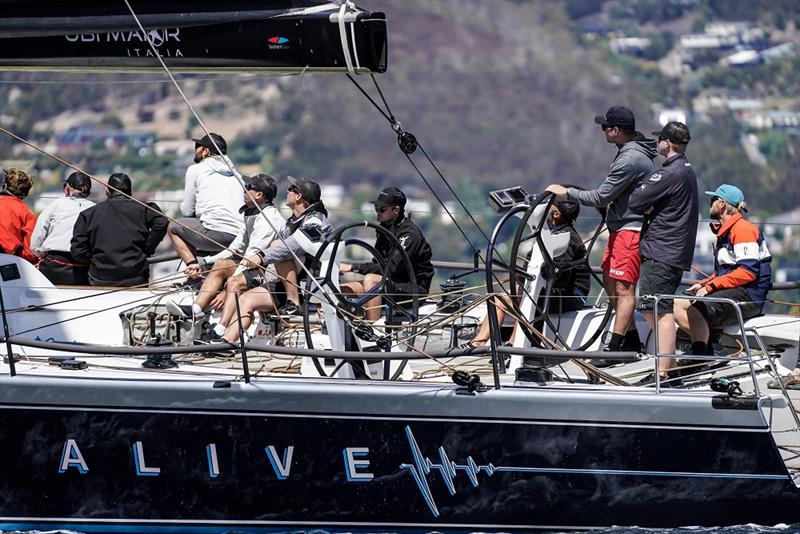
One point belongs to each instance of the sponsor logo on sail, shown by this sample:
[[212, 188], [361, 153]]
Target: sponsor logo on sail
[[277, 42]]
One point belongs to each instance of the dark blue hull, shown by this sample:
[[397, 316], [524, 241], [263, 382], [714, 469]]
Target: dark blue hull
[[107, 469]]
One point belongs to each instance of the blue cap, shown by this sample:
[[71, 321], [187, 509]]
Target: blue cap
[[729, 193]]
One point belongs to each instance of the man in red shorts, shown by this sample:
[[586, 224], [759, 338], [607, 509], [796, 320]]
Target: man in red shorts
[[632, 164]]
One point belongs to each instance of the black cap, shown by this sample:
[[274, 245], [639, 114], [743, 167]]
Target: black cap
[[570, 209], [206, 142], [80, 182], [677, 132], [121, 182], [618, 116], [263, 183], [391, 196], [309, 189]]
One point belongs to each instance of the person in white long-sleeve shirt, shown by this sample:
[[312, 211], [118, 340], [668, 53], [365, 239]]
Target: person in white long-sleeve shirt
[[260, 228], [51, 237], [210, 207]]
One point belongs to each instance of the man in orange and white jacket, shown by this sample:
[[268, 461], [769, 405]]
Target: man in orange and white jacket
[[742, 272]]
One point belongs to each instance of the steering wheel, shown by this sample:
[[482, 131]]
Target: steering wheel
[[350, 308]]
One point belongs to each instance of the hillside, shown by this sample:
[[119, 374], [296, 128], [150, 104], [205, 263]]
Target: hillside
[[498, 92]]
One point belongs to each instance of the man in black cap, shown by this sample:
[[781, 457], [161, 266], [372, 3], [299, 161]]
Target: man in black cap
[[210, 207], [230, 264], [632, 164], [116, 236], [669, 202], [53, 233], [390, 212], [275, 285]]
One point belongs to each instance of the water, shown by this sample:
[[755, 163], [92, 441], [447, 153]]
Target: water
[[740, 529]]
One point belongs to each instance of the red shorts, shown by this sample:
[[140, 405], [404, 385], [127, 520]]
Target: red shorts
[[621, 260]]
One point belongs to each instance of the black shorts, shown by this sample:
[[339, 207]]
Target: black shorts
[[199, 237], [719, 314], [658, 278]]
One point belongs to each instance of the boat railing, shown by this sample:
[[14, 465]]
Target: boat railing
[[748, 357]]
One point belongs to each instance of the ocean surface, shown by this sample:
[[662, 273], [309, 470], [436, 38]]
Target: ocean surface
[[740, 529]]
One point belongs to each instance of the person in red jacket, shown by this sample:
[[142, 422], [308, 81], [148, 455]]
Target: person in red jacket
[[16, 219]]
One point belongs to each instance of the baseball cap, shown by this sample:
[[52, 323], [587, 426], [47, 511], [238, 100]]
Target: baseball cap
[[677, 132], [570, 209], [391, 196], [729, 193], [619, 116], [206, 142], [263, 183], [309, 189]]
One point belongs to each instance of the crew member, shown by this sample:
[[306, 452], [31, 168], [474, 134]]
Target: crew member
[[16, 218], [632, 164], [742, 272], [278, 287], [211, 201], [115, 237], [53, 233], [669, 202], [390, 212], [261, 220]]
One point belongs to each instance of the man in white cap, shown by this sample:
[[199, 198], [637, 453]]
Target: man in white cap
[[210, 207]]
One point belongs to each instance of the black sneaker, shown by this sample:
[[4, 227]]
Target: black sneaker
[[666, 382], [290, 308], [606, 362], [211, 336]]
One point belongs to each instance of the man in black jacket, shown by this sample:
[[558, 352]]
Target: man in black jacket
[[116, 236], [669, 202], [571, 286], [390, 211]]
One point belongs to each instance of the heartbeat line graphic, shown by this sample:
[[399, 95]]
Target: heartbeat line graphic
[[422, 467], [448, 469]]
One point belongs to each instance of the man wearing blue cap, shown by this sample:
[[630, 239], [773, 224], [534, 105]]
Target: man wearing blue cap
[[742, 272]]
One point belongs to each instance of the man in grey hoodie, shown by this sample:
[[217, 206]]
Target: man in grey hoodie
[[632, 164], [210, 207]]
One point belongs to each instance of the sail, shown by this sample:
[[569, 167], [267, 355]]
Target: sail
[[240, 35]]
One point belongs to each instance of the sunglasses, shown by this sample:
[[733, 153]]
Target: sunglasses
[[606, 127], [251, 187], [293, 189]]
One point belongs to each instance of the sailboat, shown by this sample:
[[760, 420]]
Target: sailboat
[[114, 420]]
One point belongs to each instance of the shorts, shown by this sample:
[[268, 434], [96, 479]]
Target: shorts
[[719, 314], [259, 277], [195, 234], [621, 260], [658, 278]]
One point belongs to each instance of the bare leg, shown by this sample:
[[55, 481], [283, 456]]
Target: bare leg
[[680, 308], [698, 328], [666, 339], [234, 286], [373, 305], [482, 336], [250, 302], [221, 271], [184, 249], [287, 271], [626, 303]]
